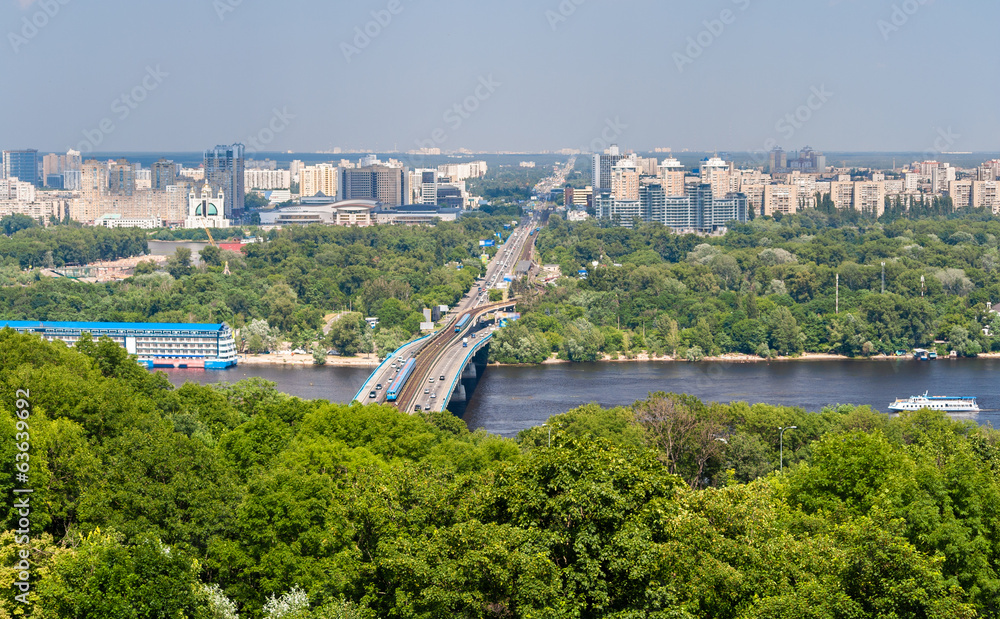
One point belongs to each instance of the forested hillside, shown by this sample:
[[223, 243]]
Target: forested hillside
[[200, 501]]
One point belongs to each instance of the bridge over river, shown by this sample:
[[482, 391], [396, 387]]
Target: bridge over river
[[426, 374]]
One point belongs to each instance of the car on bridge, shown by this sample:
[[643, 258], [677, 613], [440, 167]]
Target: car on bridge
[[442, 377], [372, 394]]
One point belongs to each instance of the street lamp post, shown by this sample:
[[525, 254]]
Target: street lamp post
[[545, 425], [781, 446]]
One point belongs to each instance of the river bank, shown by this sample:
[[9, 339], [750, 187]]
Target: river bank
[[364, 361], [736, 358], [371, 361]]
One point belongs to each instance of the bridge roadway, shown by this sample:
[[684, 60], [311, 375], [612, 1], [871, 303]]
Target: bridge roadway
[[475, 301], [444, 356]]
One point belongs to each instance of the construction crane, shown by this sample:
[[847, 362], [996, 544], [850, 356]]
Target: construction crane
[[210, 239]]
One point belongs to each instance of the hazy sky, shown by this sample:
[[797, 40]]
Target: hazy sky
[[525, 75]]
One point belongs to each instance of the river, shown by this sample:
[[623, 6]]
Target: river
[[510, 399], [168, 248]]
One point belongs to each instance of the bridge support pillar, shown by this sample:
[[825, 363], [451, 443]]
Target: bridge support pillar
[[469, 372], [459, 394]]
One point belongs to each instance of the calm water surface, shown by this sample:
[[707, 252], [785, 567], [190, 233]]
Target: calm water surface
[[509, 399], [168, 248]]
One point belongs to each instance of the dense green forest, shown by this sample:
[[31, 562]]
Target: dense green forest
[[27, 246], [237, 501], [768, 287], [291, 281]]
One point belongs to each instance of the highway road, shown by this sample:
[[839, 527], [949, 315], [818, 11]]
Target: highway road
[[432, 394], [427, 349]]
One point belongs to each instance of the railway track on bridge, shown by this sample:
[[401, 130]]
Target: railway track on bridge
[[431, 353]]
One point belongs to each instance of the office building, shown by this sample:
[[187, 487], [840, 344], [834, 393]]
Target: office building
[[22, 165], [428, 187], [579, 198], [386, 184], [224, 171]]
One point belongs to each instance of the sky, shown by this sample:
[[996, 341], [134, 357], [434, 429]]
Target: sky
[[516, 75]]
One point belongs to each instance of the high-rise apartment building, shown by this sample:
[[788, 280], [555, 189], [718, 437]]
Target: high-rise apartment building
[[22, 165], [121, 178], [777, 160], [602, 166], [671, 176], [224, 171], [781, 199], [94, 179], [869, 197], [318, 179], [941, 175], [625, 181], [751, 183], [267, 179], [698, 210], [989, 171], [960, 193], [716, 172], [842, 194], [984, 195], [163, 173]]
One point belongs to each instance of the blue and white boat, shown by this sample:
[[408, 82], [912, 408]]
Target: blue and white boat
[[948, 404]]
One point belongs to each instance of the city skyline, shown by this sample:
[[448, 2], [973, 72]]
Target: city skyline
[[732, 75]]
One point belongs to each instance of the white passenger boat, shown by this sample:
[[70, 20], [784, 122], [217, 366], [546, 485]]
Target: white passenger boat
[[947, 404]]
